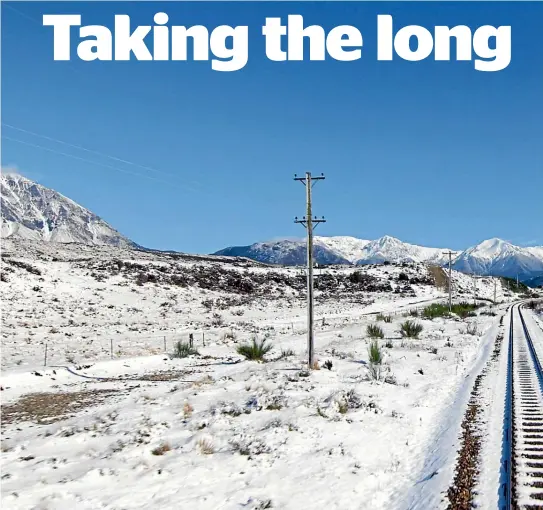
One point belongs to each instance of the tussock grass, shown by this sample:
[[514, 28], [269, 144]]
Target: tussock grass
[[471, 329], [254, 351], [375, 355], [375, 358], [463, 310], [206, 446], [411, 329], [286, 353], [374, 331], [384, 318], [183, 350]]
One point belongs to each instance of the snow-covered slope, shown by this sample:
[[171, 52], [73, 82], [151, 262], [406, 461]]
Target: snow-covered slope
[[498, 257], [350, 248], [339, 250], [32, 211], [390, 249], [491, 257], [286, 252], [113, 413]]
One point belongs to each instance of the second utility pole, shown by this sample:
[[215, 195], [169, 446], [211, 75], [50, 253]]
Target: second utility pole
[[450, 253], [307, 221]]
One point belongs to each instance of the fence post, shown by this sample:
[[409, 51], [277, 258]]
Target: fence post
[[203, 339], [45, 356], [111, 348], [164, 343]]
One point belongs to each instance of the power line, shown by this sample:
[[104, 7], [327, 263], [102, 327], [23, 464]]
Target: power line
[[73, 156], [79, 147], [308, 221]]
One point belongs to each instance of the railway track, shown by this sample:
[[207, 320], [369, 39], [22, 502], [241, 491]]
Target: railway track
[[523, 463]]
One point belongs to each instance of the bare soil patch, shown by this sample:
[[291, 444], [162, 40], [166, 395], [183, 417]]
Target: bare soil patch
[[43, 408]]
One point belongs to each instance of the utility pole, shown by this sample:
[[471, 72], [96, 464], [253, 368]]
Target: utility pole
[[309, 222], [450, 254]]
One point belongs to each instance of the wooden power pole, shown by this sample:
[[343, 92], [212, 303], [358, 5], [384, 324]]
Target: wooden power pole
[[309, 222], [450, 254]]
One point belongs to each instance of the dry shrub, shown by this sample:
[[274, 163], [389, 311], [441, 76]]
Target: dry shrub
[[206, 446], [162, 449], [187, 410]]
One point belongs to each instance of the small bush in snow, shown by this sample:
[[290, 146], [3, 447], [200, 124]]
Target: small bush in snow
[[375, 356], [374, 331], [286, 353], [471, 329], [187, 410], [162, 449], [217, 320], [206, 446], [435, 310], [249, 446], [411, 329], [254, 351], [183, 350]]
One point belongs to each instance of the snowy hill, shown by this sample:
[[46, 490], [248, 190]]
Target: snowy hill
[[32, 211], [286, 252], [498, 257], [390, 249]]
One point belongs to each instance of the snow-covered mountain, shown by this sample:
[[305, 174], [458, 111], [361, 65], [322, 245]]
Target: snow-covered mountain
[[32, 211], [492, 257], [500, 258], [390, 249], [286, 252], [350, 248], [339, 250]]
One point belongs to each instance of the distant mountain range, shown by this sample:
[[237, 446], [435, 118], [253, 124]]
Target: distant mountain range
[[32, 211], [493, 257], [339, 250]]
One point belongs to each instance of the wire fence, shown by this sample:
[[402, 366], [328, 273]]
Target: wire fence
[[49, 351]]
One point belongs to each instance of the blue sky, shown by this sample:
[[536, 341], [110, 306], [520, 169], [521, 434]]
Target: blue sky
[[434, 153]]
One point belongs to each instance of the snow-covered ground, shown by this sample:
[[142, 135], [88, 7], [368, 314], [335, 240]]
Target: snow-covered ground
[[130, 427]]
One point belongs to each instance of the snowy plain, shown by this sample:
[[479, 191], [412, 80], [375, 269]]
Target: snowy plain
[[129, 427]]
